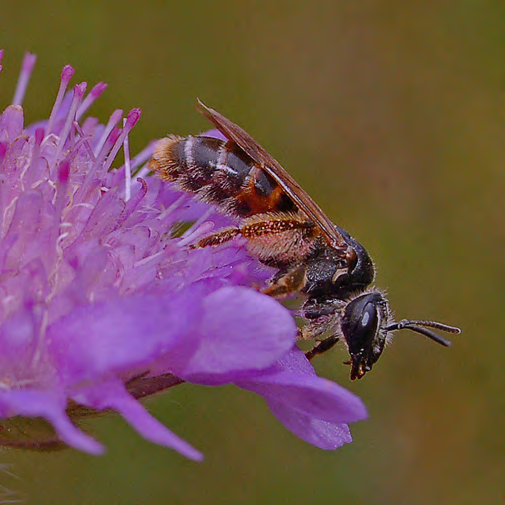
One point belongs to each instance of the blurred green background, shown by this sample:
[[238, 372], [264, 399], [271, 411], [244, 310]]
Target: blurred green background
[[390, 113]]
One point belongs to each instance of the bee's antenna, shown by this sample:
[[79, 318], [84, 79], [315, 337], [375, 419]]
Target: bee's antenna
[[422, 328]]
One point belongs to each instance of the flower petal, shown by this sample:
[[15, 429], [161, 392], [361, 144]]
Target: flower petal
[[322, 434], [119, 335], [11, 123], [50, 406], [110, 394], [313, 408], [294, 383], [241, 331]]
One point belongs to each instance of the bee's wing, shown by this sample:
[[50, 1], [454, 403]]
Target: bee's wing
[[236, 134]]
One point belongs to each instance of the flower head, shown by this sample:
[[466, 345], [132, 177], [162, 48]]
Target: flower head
[[103, 302]]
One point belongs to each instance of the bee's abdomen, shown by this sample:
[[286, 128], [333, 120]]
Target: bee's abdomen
[[219, 172]]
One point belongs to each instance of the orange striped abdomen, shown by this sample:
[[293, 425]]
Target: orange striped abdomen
[[221, 173]]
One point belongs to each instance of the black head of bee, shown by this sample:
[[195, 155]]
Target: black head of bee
[[364, 331], [366, 326]]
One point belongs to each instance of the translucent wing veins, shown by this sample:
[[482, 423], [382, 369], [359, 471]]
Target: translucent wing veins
[[236, 134]]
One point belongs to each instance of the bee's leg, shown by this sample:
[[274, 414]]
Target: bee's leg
[[220, 237], [322, 346], [289, 283]]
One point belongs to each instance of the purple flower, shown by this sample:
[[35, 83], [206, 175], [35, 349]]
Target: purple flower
[[102, 302]]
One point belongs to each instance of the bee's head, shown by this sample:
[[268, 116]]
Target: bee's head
[[366, 326]]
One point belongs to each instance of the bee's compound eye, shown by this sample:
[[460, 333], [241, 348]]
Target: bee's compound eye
[[360, 322]]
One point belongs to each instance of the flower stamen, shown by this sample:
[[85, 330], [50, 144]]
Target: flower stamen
[[83, 140], [66, 74], [113, 120], [128, 171], [97, 90], [195, 232], [79, 90], [24, 78], [131, 121]]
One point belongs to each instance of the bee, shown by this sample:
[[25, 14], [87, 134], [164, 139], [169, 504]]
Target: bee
[[287, 230]]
